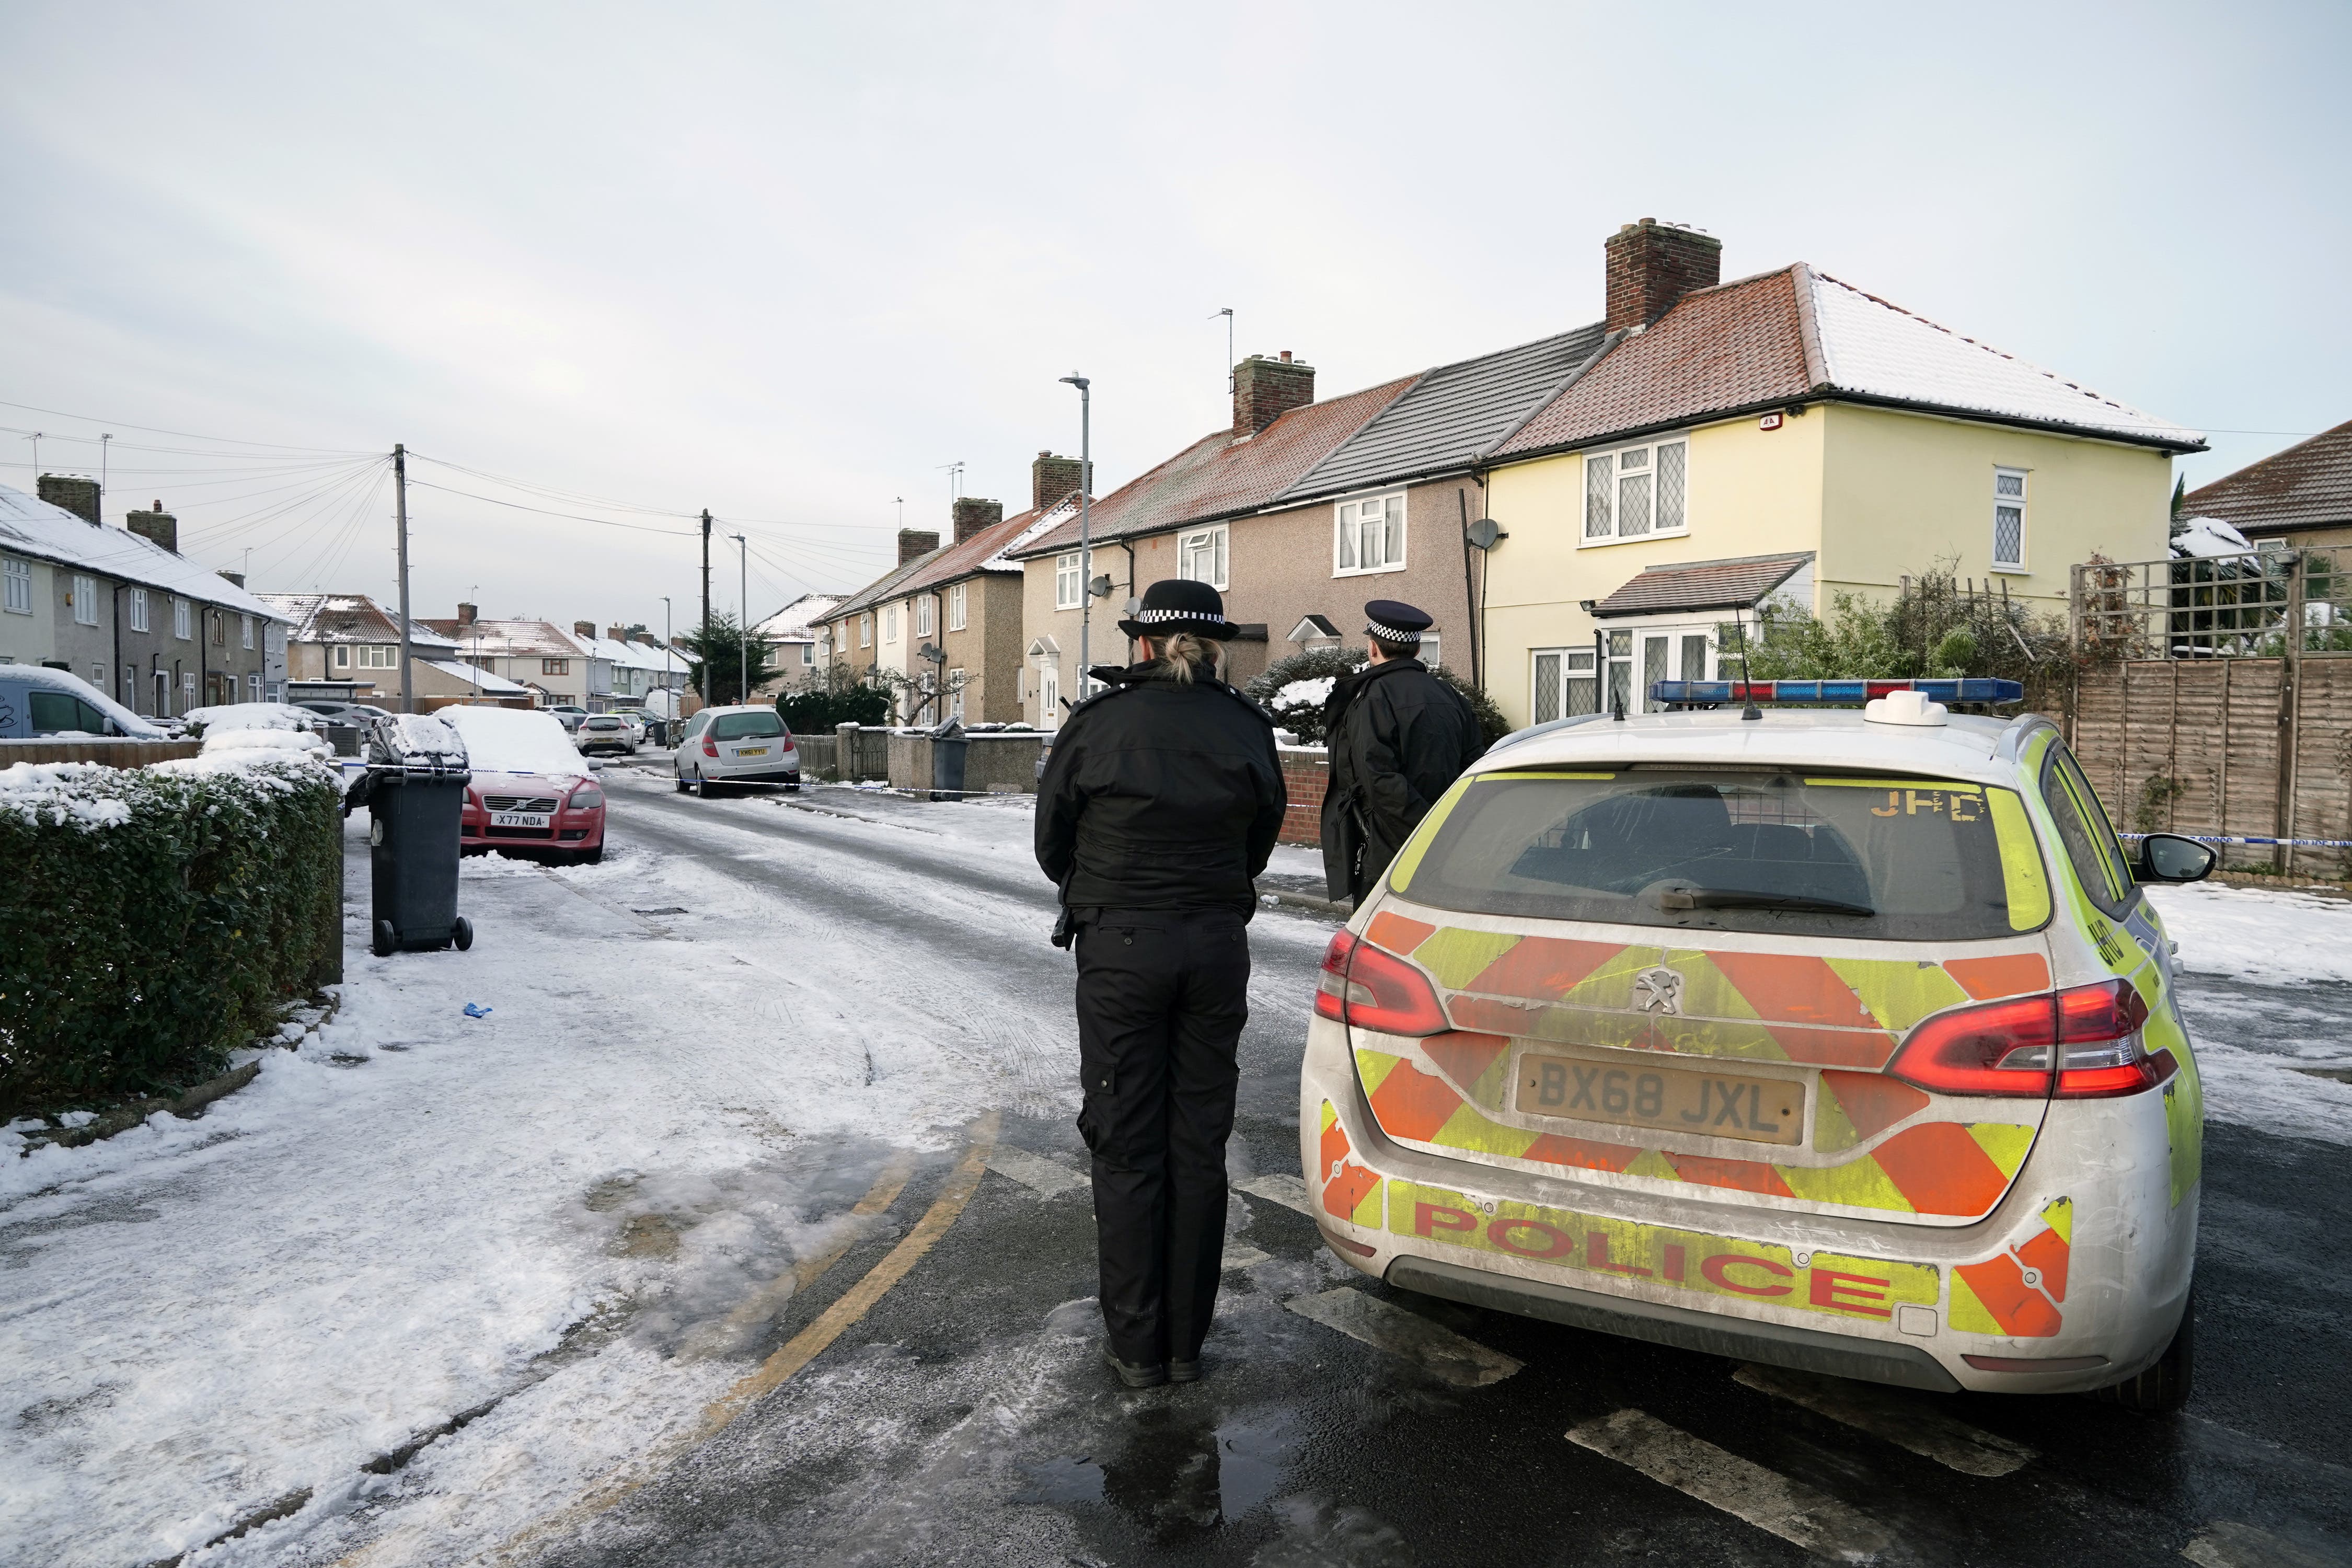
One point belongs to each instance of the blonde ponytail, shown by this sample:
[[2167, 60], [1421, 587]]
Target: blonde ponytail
[[1184, 655]]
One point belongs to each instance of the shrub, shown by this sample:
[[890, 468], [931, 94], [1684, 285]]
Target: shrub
[[1293, 690], [154, 919], [835, 698]]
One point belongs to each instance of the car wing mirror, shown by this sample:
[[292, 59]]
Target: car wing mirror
[[2170, 857]]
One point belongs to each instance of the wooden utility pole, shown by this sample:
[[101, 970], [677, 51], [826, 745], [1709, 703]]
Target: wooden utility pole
[[400, 506], [706, 606]]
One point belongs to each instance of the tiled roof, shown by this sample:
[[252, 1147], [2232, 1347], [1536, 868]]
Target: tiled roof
[[1452, 415], [31, 526], [1218, 476], [981, 552], [1701, 585], [2308, 484], [1795, 335], [881, 588], [510, 639], [347, 618]]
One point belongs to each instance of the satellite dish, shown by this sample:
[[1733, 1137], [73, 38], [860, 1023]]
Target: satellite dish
[[1483, 533], [1133, 605]]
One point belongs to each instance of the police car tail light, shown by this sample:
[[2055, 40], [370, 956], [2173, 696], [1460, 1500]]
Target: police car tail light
[[2090, 1033], [1374, 990]]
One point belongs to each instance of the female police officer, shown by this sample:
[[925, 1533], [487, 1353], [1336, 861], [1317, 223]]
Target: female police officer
[[1160, 803]]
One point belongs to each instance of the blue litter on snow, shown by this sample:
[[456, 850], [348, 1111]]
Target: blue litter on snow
[[476, 1010]]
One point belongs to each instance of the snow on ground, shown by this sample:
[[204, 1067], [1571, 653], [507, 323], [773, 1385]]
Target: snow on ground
[[2272, 936], [419, 1212]]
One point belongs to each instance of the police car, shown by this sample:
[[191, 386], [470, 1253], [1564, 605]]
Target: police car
[[1835, 1039]]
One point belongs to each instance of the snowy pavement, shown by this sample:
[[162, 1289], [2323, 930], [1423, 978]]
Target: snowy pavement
[[444, 1289]]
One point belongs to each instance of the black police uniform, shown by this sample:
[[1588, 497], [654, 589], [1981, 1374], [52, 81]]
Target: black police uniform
[[1158, 808], [1398, 738]]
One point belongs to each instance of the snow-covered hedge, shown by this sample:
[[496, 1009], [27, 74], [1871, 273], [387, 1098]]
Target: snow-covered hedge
[[152, 918]]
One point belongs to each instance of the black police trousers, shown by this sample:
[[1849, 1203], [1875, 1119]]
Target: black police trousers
[[1163, 996]]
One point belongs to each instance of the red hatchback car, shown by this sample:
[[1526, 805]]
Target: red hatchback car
[[531, 790]]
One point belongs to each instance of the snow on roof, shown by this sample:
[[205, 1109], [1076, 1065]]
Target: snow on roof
[[481, 679], [508, 639], [1872, 347], [348, 618], [628, 655], [31, 526], [796, 621], [40, 674], [515, 741]]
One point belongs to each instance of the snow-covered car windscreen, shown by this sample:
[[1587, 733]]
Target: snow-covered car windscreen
[[1746, 850], [745, 726], [514, 740]]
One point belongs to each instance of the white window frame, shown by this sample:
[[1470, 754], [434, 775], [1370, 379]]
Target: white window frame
[[1049, 695], [889, 623], [253, 687], [1350, 527], [865, 629], [1429, 654], [245, 624], [956, 612], [376, 657], [808, 652], [138, 609], [1214, 544], [84, 599], [343, 656], [926, 614], [180, 620], [955, 692], [2005, 500], [1606, 483], [1070, 586], [19, 575]]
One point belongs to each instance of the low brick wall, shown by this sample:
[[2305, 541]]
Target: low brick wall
[[1306, 773]]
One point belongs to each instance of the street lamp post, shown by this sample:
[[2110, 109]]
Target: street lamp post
[[1085, 534], [670, 691]]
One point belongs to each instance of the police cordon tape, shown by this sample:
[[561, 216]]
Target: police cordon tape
[[2232, 839]]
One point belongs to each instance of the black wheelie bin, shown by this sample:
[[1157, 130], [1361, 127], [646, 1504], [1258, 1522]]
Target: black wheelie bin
[[415, 795]]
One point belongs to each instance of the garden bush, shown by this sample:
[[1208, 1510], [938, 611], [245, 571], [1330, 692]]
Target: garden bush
[[151, 919], [1293, 690]]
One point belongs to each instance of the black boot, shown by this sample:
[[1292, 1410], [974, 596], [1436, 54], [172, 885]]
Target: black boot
[[1140, 1374]]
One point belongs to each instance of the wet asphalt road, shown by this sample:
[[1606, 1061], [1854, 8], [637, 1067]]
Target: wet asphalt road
[[963, 1419]]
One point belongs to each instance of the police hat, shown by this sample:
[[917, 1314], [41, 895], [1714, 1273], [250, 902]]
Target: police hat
[[1180, 605], [1393, 620]]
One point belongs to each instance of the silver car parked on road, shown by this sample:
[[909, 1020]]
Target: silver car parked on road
[[737, 745]]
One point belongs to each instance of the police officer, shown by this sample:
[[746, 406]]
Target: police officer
[[1158, 808], [1399, 736]]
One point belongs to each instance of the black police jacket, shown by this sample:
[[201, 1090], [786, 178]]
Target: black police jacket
[[1160, 795], [1399, 736]]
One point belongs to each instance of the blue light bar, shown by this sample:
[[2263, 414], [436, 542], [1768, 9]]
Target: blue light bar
[[1715, 692]]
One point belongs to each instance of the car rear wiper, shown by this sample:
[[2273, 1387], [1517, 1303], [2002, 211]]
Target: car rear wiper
[[1744, 898]]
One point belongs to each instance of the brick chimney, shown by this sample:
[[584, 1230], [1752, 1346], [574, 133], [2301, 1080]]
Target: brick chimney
[[1267, 389], [1052, 479], [972, 515], [465, 613], [616, 633], [1654, 264], [914, 541], [236, 577], [585, 629], [159, 526], [78, 495]]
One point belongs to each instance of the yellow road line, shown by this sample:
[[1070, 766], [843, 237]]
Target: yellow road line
[[771, 1299], [859, 1300]]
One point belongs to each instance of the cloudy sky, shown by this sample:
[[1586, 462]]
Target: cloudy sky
[[789, 261]]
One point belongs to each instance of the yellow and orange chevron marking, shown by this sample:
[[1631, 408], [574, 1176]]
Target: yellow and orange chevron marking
[[1349, 1190], [2016, 1293], [1942, 1168]]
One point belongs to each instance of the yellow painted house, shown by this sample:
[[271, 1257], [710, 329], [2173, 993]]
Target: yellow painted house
[[1784, 437]]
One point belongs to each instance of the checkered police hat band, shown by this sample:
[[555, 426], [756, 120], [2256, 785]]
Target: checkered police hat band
[[1390, 634], [1152, 616]]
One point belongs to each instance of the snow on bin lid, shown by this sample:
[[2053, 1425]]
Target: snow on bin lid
[[515, 741], [421, 740]]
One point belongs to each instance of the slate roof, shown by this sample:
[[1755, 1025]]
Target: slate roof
[[879, 589], [1453, 414], [1219, 476], [510, 639], [2307, 486], [1796, 334], [797, 621], [348, 618], [31, 526], [1733, 584]]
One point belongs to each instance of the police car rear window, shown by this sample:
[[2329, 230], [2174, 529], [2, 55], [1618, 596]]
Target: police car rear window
[[1748, 850]]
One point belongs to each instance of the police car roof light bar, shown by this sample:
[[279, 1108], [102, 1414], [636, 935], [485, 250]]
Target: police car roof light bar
[[1696, 692]]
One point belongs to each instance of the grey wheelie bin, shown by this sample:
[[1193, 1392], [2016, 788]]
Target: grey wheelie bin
[[950, 748], [415, 795]]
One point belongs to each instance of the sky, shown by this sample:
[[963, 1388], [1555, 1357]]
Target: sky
[[790, 262]]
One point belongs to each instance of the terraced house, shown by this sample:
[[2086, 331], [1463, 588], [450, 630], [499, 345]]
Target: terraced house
[[123, 608], [1785, 437]]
